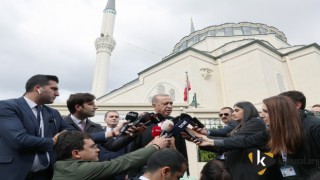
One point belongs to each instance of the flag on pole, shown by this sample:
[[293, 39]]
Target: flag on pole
[[187, 88]]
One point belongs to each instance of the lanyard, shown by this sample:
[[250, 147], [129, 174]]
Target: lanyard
[[284, 157]]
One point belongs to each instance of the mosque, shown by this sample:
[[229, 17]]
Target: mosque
[[224, 63]]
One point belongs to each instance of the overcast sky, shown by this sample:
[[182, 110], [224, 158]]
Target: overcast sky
[[57, 36]]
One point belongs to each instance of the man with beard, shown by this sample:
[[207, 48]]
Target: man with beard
[[29, 131], [162, 104], [82, 106]]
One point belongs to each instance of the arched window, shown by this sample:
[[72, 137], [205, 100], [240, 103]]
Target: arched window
[[282, 87], [172, 94], [161, 89]]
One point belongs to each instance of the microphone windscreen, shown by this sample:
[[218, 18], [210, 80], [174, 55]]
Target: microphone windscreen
[[131, 116], [167, 125], [156, 131]]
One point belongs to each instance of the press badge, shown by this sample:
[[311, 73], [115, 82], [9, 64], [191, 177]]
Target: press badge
[[287, 171]]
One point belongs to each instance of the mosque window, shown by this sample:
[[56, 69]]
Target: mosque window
[[254, 31], [229, 31], [202, 36], [237, 31], [161, 89], [282, 87], [183, 46], [246, 30], [195, 39], [220, 32], [172, 93], [190, 43], [212, 33], [263, 30]]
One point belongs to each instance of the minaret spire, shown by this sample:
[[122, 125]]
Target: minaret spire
[[104, 47], [192, 27]]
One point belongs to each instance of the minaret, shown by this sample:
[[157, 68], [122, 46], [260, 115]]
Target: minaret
[[104, 46]]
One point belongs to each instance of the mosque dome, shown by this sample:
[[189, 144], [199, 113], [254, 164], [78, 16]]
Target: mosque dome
[[246, 29]]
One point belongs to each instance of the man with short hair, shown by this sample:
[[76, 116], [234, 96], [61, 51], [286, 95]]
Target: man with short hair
[[29, 130], [226, 117], [78, 156], [166, 164], [162, 104], [316, 110], [81, 107], [112, 120]]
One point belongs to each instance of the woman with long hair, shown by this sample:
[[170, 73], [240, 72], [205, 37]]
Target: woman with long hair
[[236, 161], [292, 136], [285, 128]]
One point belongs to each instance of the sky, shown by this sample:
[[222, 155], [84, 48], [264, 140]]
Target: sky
[[57, 36]]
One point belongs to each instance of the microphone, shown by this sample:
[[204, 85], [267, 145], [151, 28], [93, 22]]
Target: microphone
[[143, 118], [130, 117], [153, 119], [197, 123], [180, 126], [194, 138], [166, 126], [156, 130]]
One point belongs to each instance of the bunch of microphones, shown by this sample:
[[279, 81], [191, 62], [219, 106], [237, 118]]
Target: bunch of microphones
[[145, 119], [167, 127]]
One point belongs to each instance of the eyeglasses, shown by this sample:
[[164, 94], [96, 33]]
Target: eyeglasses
[[93, 146], [223, 114]]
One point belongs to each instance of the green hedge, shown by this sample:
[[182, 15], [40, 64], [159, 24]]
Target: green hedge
[[205, 156]]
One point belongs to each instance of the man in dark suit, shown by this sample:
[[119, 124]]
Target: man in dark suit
[[162, 104], [226, 117], [82, 107], [29, 130]]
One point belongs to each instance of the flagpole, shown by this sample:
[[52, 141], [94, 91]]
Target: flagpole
[[187, 87]]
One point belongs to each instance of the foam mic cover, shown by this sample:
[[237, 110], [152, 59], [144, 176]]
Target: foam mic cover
[[156, 130], [166, 126]]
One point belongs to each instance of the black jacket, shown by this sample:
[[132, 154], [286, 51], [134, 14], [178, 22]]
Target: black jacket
[[304, 161], [143, 139], [223, 132], [237, 161]]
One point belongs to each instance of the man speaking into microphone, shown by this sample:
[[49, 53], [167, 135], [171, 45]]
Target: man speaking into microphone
[[162, 104]]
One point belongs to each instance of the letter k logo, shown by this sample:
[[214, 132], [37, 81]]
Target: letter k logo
[[261, 161]]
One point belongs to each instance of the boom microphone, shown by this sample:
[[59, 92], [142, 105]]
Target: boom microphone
[[130, 117]]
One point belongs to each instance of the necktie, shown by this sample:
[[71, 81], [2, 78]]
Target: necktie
[[42, 155], [82, 125], [39, 109]]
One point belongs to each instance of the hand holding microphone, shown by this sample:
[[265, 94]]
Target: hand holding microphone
[[130, 117], [166, 127]]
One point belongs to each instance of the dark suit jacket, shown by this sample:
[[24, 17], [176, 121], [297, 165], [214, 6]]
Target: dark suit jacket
[[98, 135], [223, 132], [19, 140], [146, 137]]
